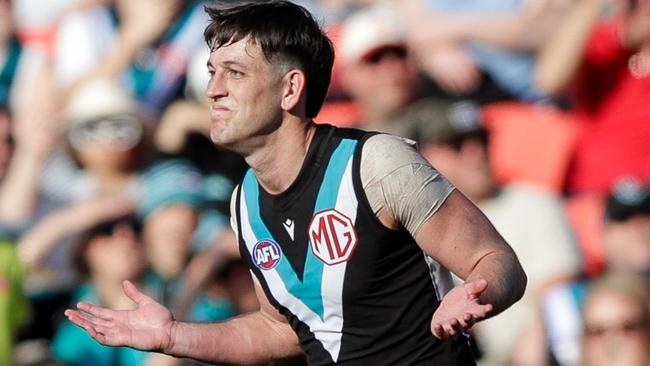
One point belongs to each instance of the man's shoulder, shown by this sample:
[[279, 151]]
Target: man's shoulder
[[385, 152]]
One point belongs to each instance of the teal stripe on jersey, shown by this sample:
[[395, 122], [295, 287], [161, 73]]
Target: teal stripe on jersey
[[309, 290], [329, 189]]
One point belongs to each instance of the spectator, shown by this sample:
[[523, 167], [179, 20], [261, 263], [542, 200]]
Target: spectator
[[379, 74], [170, 207], [106, 134], [376, 70], [106, 254], [603, 65], [616, 321], [108, 137], [108, 140], [45, 250], [531, 220], [626, 241]]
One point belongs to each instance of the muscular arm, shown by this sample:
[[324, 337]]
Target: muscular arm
[[461, 238], [448, 227], [256, 338], [260, 337]]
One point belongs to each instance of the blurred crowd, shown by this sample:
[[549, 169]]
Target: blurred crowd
[[537, 110]]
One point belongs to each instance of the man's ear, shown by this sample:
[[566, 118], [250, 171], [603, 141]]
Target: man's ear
[[293, 86]]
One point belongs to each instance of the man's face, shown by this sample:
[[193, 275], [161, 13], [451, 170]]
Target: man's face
[[245, 92]]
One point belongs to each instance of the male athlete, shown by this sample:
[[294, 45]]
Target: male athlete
[[349, 235]]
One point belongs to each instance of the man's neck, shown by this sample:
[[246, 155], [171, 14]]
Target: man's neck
[[277, 163]]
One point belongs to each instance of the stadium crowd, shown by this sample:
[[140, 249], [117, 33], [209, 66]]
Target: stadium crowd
[[537, 110]]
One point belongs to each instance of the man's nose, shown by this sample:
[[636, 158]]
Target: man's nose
[[216, 87]]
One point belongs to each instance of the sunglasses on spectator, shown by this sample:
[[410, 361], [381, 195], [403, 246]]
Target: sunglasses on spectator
[[394, 52], [627, 328], [120, 132]]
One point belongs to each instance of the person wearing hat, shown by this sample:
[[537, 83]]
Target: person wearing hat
[[107, 147], [107, 135], [383, 80], [533, 222], [347, 270], [376, 71], [170, 207], [626, 248]]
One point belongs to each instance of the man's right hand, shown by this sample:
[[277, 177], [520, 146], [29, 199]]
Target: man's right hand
[[148, 327]]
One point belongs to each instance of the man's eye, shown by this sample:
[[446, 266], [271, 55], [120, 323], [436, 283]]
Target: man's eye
[[235, 73]]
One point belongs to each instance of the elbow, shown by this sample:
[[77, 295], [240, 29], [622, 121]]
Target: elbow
[[519, 286]]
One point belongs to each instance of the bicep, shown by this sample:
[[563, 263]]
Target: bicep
[[459, 236], [278, 323], [266, 308]]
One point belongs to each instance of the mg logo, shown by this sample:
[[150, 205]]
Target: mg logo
[[332, 236], [266, 254]]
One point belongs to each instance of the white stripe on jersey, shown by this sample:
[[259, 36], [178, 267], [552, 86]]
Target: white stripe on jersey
[[328, 330]]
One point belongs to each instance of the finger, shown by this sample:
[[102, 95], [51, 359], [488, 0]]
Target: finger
[[96, 311], [476, 287], [438, 331], [452, 328], [95, 320], [467, 321], [480, 311], [98, 332], [74, 317], [77, 319], [447, 331], [133, 293]]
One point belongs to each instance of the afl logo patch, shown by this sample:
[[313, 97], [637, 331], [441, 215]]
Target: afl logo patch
[[266, 254]]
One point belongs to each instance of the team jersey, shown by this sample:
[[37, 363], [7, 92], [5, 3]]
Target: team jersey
[[355, 291]]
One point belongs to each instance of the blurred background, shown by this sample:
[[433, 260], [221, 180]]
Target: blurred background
[[537, 110]]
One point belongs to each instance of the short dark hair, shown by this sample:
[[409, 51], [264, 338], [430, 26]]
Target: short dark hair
[[104, 228], [284, 31]]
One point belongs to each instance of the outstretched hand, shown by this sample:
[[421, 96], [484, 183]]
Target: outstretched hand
[[148, 327], [460, 309]]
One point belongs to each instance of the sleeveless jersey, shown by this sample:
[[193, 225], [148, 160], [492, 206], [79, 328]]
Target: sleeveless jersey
[[355, 292]]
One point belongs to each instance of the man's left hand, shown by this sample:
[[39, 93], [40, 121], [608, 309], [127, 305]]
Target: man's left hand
[[460, 309]]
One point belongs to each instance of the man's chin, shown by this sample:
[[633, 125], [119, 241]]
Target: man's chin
[[220, 140]]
